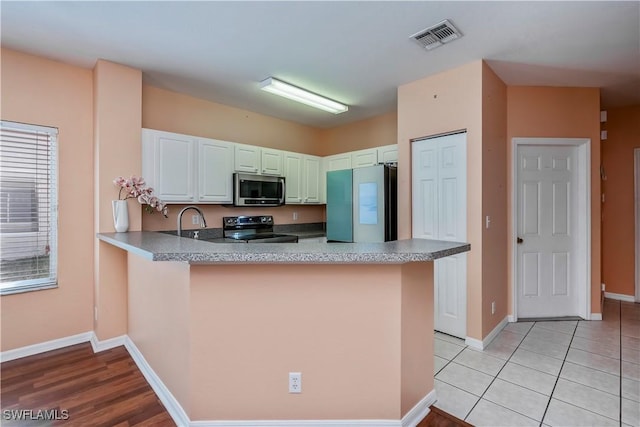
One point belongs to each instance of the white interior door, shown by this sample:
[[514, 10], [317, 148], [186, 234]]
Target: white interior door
[[546, 231], [439, 211]]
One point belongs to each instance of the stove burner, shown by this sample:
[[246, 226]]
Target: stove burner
[[253, 229]]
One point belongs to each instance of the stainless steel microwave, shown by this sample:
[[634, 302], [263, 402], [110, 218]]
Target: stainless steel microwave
[[258, 190]]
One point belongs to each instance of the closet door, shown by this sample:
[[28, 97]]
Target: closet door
[[439, 208]]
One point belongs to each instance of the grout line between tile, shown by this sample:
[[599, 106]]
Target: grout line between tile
[[496, 377], [588, 410], [564, 361], [620, 326], [558, 377], [585, 385]]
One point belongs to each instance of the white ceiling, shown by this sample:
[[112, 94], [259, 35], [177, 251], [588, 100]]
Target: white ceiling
[[354, 52]]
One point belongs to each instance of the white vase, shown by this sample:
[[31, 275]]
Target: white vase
[[120, 215]]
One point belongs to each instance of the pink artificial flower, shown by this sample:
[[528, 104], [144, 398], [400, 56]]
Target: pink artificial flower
[[136, 188]]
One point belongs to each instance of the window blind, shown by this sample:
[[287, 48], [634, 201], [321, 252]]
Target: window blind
[[28, 207]]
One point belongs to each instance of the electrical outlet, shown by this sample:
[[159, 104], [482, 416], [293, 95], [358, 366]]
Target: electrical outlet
[[295, 216], [493, 307], [195, 219], [295, 382], [487, 221]]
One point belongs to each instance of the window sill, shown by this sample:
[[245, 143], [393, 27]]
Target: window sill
[[19, 289]]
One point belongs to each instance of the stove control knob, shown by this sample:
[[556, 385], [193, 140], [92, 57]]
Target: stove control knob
[[231, 221], [264, 219]]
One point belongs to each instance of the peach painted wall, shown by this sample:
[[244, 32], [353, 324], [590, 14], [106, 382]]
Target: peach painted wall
[[443, 103], [118, 151], [374, 132], [159, 320], [494, 199], [417, 346], [39, 91], [562, 113], [234, 358], [175, 112], [346, 327], [618, 223]]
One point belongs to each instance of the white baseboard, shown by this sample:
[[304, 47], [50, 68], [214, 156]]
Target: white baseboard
[[298, 423], [168, 400], [511, 318], [595, 316], [42, 347], [620, 297], [481, 345], [419, 411], [175, 410], [473, 343], [107, 344], [411, 419]]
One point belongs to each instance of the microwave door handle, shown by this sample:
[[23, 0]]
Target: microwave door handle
[[284, 191]]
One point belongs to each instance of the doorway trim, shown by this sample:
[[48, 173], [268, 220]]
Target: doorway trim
[[636, 180], [583, 269]]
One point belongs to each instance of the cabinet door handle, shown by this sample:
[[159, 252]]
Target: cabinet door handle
[[519, 240]]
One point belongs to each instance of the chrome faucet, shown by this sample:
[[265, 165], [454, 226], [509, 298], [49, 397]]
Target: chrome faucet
[[203, 223]]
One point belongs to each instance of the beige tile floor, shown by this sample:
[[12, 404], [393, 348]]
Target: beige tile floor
[[552, 373]]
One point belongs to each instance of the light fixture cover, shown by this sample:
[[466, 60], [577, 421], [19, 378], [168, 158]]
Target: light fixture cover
[[278, 87]]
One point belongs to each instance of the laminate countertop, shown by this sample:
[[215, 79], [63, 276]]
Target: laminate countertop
[[162, 247]]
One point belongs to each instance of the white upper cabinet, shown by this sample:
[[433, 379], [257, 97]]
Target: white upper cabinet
[[247, 158], [187, 169], [312, 179], [388, 154], [169, 165], [271, 162], [302, 178], [293, 177], [215, 171], [363, 158], [337, 162]]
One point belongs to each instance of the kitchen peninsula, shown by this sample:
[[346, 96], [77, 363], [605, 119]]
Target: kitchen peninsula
[[222, 325]]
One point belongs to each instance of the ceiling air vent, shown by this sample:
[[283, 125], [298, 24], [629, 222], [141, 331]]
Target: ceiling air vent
[[437, 35]]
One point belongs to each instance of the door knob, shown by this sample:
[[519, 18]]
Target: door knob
[[519, 240]]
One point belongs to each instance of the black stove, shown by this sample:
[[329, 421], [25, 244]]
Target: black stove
[[253, 229]]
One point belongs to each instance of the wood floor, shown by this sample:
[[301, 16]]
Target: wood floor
[[438, 418], [97, 389], [101, 389]]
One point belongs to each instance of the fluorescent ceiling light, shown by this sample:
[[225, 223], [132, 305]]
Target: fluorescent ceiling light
[[286, 90]]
